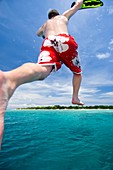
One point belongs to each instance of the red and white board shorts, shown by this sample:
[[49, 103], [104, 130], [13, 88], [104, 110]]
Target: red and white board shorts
[[59, 49]]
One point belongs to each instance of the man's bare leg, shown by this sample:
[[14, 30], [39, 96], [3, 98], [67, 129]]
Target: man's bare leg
[[76, 86], [10, 80], [3, 103]]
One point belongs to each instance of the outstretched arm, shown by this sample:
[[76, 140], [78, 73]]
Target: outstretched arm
[[70, 12], [40, 31]]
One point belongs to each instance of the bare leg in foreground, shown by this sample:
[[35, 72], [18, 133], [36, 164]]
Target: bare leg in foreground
[[76, 86], [9, 81]]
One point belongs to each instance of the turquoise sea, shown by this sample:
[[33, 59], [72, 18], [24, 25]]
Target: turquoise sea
[[58, 140]]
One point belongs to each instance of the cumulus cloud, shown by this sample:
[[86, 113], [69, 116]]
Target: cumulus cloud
[[103, 55]]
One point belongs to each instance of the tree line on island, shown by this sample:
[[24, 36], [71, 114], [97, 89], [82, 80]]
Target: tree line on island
[[69, 107]]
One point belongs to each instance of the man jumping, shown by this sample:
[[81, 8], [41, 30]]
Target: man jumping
[[58, 48]]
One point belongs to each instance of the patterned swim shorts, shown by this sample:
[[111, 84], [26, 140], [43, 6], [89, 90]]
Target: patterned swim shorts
[[59, 49]]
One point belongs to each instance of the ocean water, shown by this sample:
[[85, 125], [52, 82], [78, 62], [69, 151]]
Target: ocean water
[[58, 140]]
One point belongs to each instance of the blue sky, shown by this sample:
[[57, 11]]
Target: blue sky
[[93, 31]]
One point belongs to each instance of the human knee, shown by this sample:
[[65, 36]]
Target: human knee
[[46, 70]]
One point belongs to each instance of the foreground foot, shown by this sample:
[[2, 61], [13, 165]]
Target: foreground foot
[[3, 102], [77, 102]]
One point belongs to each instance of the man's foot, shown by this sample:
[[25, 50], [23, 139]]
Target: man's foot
[[77, 102], [3, 102]]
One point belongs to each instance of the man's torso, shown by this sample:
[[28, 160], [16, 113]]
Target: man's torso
[[55, 26]]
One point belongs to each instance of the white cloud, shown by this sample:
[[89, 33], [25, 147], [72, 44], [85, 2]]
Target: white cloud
[[103, 55], [111, 45], [108, 94], [90, 90], [111, 42]]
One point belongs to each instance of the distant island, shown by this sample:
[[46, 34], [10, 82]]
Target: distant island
[[68, 107]]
